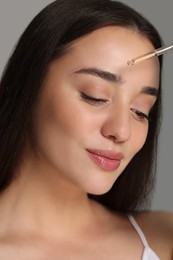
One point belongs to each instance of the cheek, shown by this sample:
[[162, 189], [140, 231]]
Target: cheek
[[139, 138], [59, 120]]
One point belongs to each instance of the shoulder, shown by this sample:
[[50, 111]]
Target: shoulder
[[160, 221], [158, 229]]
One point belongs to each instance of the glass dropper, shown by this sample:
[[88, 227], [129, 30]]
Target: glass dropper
[[150, 55]]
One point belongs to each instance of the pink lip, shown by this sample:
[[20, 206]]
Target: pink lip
[[107, 160]]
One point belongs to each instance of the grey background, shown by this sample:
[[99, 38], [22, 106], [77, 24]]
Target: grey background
[[15, 16]]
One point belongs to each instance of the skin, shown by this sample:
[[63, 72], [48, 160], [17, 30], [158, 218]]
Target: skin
[[47, 208]]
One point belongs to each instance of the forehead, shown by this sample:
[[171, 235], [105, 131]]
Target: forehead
[[109, 48], [114, 37]]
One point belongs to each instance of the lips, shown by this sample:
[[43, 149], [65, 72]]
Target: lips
[[105, 159]]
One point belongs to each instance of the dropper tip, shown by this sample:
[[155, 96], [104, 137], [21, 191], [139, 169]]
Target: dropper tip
[[130, 62]]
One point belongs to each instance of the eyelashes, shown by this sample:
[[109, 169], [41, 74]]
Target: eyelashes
[[93, 100], [139, 115]]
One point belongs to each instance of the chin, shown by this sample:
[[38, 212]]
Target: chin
[[99, 182], [98, 189]]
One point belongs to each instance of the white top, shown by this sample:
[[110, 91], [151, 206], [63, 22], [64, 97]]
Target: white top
[[148, 253]]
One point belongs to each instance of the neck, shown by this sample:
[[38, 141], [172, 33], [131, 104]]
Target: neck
[[42, 201]]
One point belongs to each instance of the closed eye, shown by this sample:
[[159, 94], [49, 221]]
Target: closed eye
[[140, 115], [93, 100]]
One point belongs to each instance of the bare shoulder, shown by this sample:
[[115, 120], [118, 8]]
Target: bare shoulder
[[158, 229], [160, 221]]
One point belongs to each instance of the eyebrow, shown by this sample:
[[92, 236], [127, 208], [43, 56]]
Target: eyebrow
[[150, 91], [114, 78], [105, 75]]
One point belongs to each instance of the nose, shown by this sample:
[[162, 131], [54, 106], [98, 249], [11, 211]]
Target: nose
[[117, 124]]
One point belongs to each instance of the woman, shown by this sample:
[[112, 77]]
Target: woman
[[78, 135]]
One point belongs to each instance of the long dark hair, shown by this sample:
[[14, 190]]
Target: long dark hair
[[49, 36]]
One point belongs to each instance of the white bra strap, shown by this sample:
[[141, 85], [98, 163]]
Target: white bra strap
[[138, 229]]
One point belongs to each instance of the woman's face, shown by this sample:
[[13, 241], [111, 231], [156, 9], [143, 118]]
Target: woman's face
[[92, 115]]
